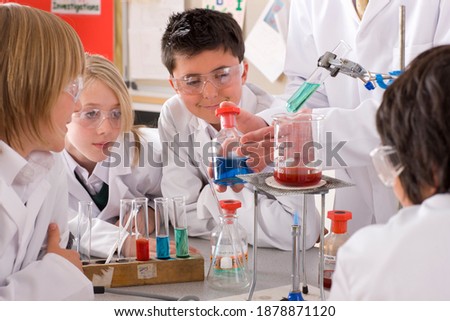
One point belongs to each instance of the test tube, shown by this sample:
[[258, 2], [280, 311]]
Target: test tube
[[140, 229], [180, 226], [84, 230], [310, 85], [162, 227], [126, 217]]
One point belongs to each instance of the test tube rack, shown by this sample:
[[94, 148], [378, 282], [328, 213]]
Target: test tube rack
[[153, 271], [258, 180]]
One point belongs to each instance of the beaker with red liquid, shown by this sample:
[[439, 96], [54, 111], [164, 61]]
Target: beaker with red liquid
[[298, 149]]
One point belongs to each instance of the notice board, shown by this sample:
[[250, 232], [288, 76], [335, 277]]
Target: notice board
[[95, 30]]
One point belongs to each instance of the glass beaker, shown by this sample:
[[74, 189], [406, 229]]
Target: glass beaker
[[298, 154]]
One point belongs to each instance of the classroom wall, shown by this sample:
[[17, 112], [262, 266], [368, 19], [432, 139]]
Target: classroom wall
[[102, 34]]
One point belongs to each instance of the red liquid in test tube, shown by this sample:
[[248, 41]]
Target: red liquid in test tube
[[142, 250]]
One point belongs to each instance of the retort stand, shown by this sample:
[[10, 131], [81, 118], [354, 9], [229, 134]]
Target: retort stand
[[260, 185]]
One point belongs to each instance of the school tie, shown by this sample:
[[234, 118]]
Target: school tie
[[101, 198], [361, 7]]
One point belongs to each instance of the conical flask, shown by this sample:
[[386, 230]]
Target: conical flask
[[228, 268], [226, 162]]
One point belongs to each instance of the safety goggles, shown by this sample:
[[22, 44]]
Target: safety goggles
[[93, 118], [387, 164], [220, 78], [74, 88]]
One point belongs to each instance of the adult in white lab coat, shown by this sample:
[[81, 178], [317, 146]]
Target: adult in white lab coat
[[318, 26], [130, 168], [405, 258], [46, 52]]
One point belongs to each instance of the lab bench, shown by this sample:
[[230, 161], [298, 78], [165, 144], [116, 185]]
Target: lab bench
[[273, 271]]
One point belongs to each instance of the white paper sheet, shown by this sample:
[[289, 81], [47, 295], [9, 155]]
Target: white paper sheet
[[265, 46], [147, 22]]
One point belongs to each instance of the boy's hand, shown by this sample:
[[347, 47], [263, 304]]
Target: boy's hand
[[53, 239], [246, 121], [258, 146]]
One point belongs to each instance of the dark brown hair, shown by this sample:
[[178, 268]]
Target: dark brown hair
[[414, 117], [193, 31]]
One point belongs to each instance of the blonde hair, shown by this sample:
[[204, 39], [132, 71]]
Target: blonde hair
[[100, 68], [40, 54]]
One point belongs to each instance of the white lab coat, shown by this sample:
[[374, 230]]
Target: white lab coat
[[124, 180], [27, 272], [318, 26], [404, 259], [181, 176]]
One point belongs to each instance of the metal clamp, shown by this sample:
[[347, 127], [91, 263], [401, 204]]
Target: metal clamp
[[336, 65]]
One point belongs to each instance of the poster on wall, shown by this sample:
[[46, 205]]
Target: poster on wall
[[85, 7], [270, 31], [235, 7]]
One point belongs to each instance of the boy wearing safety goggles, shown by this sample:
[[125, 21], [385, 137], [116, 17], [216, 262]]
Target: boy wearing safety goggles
[[203, 50]]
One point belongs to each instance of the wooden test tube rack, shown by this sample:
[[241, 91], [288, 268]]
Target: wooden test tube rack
[[154, 271]]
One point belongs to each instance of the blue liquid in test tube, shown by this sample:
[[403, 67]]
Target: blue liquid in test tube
[[162, 247], [162, 227]]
